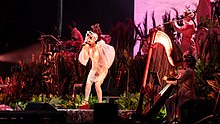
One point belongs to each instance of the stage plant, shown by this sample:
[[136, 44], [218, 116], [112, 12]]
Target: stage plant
[[124, 72], [130, 102], [58, 102], [207, 67], [208, 62]]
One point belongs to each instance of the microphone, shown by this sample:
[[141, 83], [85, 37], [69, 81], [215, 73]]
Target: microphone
[[85, 44]]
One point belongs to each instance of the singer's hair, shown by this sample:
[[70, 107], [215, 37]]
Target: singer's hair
[[73, 24], [92, 34]]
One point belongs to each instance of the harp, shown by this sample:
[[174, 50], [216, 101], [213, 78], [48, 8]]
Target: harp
[[156, 36]]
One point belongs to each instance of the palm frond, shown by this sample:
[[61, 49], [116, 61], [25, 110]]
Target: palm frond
[[154, 21]]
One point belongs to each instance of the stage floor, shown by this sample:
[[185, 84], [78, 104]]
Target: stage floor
[[63, 116], [86, 115]]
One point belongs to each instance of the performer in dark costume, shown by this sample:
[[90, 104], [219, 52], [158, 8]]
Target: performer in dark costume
[[185, 87]]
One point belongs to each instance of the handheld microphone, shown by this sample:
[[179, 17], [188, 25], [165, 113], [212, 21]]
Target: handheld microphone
[[85, 44]]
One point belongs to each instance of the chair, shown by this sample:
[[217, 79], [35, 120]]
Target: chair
[[75, 86]]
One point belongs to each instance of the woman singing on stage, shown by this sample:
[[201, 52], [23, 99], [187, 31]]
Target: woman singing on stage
[[102, 56]]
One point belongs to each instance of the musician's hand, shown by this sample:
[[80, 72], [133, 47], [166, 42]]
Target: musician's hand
[[172, 82], [165, 78]]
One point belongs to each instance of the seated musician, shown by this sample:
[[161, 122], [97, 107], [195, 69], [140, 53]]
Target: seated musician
[[76, 38], [185, 88]]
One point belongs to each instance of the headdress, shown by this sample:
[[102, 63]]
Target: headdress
[[96, 28], [188, 13], [92, 35]]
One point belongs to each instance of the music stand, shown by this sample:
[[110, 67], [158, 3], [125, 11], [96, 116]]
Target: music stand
[[51, 38], [48, 43], [156, 82], [155, 76]]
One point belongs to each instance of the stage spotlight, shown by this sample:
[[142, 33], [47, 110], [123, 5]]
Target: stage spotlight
[[26, 54]]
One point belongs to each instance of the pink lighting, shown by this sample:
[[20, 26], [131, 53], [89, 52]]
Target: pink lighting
[[159, 7]]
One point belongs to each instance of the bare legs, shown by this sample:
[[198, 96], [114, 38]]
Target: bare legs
[[88, 90], [98, 90]]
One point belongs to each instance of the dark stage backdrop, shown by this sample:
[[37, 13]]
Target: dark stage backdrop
[[23, 21], [89, 12]]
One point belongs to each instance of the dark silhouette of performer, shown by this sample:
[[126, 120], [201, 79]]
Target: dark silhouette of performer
[[185, 87]]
